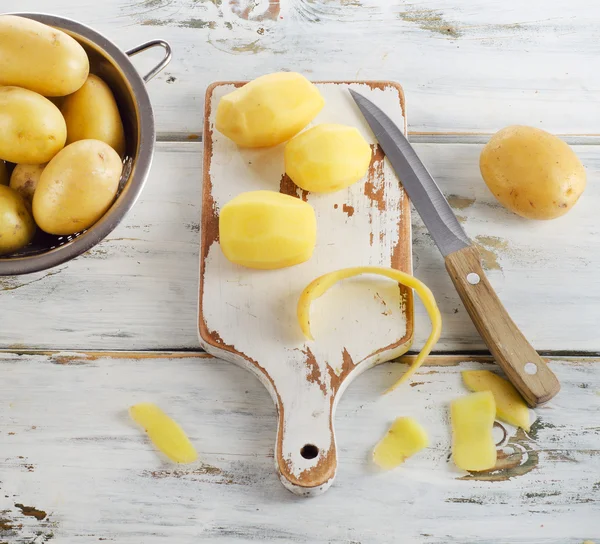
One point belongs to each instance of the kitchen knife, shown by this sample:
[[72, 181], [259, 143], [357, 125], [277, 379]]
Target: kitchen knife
[[527, 371]]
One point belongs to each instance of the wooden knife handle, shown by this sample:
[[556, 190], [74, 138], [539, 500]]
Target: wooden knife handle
[[527, 371]]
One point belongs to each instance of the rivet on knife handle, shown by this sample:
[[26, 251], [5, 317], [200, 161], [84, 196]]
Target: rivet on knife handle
[[528, 372]]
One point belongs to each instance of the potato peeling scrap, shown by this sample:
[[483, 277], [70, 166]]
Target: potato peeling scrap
[[510, 406], [404, 438], [322, 284], [165, 434]]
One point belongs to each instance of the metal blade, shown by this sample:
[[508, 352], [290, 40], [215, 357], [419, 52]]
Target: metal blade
[[423, 191]]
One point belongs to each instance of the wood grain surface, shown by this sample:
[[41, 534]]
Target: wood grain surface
[[83, 472], [466, 65], [138, 288]]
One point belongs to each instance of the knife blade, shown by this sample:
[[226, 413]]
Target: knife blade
[[528, 372]]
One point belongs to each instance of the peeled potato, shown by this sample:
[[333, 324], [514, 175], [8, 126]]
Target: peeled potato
[[165, 433], [327, 158], [510, 406], [16, 224], [267, 230], [4, 177], [24, 180], [473, 446], [268, 110], [532, 172], [77, 187], [404, 438]]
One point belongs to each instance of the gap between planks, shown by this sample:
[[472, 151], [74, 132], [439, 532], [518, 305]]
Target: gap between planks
[[438, 359], [414, 137]]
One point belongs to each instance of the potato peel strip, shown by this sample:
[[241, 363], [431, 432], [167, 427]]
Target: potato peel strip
[[165, 433], [322, 284]]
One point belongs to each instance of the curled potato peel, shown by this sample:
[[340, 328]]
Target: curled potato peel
[[322, 284]]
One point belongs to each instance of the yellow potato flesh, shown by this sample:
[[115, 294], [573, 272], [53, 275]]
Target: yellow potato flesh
[[77, 187], [91, 113], [165, 433], [32, 129], [405, 438], [510, 406], [16, 224], [327, 158], [41, 58], [472, 417], [24, 180], [319, 286], [532, 172], [4, 177], [268, 110], [267, 230]]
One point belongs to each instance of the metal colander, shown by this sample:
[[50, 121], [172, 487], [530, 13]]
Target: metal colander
[[112, 65]]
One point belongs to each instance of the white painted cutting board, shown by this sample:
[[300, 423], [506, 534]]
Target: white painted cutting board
[[248, 316]]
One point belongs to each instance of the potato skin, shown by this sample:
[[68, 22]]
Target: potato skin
[[40, 58], [16, 224], [92, 113], [32, 129], [77, 187], [268, 110], [532, 172], [24, 180]]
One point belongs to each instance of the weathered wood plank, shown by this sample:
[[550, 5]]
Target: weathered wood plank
[[70, 453], [465, 65], [138, 289]]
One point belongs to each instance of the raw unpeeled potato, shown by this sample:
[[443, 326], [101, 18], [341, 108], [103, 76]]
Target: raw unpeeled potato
[[532, 172], [510, 406], [24, 180], [92, 113], [327, 158], [404, 438], [473, 446], [16, 224], [32, 129], [268, 110], [267, 230], [77, 187]]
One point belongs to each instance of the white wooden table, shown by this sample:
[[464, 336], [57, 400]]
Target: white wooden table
[[82, 342]]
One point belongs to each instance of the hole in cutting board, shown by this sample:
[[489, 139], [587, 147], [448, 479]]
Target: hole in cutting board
[[530, 368], [309, 451]]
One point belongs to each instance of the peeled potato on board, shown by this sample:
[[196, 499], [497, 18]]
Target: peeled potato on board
[[327, 158], [472, 417], [405, 438], [165, 433], [16, 224], [267, 230], [268, 110], [510, 406], [532, 172], [77, 187]]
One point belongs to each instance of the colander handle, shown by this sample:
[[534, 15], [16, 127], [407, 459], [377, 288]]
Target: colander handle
[[149, 45]]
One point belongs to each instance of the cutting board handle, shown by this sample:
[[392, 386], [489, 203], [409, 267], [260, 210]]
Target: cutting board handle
[[305, 452]]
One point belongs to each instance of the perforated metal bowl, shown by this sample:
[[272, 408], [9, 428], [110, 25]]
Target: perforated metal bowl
[[113, 66]]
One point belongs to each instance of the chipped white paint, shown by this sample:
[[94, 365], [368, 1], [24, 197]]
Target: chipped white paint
[[254, 311], [74, 454], [466, 65]]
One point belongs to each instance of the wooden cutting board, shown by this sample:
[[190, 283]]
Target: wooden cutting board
[[248, 317]]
